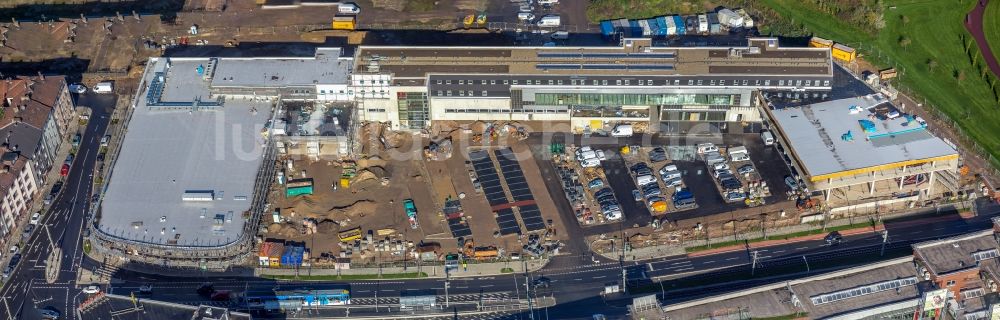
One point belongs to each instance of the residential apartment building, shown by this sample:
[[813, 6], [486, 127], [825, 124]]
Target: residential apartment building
[[18, 187], [34, 122]]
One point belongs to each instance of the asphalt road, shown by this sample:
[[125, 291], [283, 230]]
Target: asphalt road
[[26, 290]]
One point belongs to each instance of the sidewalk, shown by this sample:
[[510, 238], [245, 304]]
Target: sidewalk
[[652, 252], [768, 243]]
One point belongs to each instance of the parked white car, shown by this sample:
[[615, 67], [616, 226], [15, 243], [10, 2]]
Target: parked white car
[[35, 217], [77, 88], [590, 163], [91, 289]]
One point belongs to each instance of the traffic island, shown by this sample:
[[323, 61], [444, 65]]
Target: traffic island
[[52, 264]]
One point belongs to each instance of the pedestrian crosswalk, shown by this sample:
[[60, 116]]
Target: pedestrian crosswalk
[[106, 271]]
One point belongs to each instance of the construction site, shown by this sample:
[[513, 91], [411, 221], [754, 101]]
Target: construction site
[[413, 197]]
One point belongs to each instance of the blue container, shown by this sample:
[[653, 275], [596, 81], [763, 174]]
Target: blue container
[[607, 29], [292, 256], [679, 23], [634, 29], [661, 24]]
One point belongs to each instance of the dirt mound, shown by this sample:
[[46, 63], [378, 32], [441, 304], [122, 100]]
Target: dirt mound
[[364, 176], [357, 209], [373, 161], [283, 230]]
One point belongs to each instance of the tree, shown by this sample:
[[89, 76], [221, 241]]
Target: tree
[[931, 64], [904, 19], [904, 41]]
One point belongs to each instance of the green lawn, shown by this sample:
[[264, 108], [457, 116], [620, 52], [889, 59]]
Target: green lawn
[[934, 30], [818, 230], [991, 26], [599, 10], [334, 277]]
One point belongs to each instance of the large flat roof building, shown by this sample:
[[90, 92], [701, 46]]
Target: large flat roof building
[[636, 82], [196, 158], [184, 175], [862, 147]]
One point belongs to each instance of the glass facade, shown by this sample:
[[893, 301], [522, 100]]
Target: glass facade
[[413, 110], [634, 99]]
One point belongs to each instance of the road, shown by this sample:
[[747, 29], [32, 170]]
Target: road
[[26, 288]]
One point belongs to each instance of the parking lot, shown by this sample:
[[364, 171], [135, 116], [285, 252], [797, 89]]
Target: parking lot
[[658, 182], [768, 162]]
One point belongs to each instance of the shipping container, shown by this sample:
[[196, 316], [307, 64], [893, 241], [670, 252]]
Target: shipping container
[[293, 256], [644, 24], [817, 42], [714, 27], [300, 182], [607, 28], [669, 25], [551, 20], [730, 19], [298, 191], [635, 30], [702, 23], [270, 253], [343, 23], [664, 24], [691, 24], [679, 24], [843, 53]]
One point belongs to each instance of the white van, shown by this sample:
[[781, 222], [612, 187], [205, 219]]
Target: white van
[[551, 20], [767, 137], [348, 8], [644, 180], [560, 35], [525, 16], [713, 158], [740, 153], [622, 130], [104, 87], [706, 148]]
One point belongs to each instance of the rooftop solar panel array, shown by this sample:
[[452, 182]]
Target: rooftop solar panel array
[[513, 175], [488, 177], [532, 217], [459, 228], [507, 222]]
